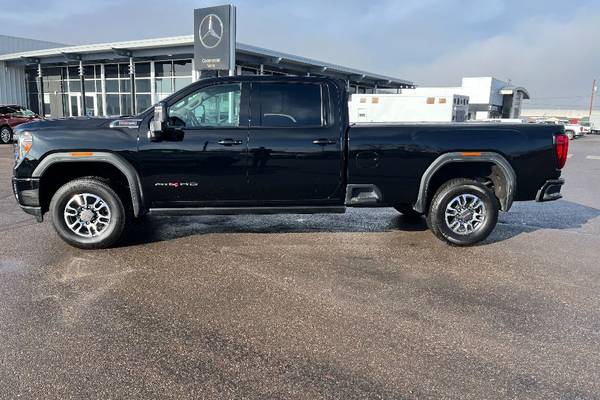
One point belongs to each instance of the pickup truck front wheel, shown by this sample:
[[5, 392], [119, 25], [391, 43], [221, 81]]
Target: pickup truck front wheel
[[87, 213], [463, 212]]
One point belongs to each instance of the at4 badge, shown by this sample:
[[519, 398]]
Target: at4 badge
[[176, 185]]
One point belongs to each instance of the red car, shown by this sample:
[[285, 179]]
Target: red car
[[11, 116]]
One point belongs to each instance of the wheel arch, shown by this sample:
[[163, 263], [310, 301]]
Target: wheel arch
[[500, 169], [114, 160]]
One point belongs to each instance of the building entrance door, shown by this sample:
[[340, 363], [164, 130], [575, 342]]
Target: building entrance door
[[75, 105]]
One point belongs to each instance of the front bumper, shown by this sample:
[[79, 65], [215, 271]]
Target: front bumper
[[550, 191], [27, 193]]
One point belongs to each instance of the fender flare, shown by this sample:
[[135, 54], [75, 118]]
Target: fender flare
[[490, 157], [131, 174]]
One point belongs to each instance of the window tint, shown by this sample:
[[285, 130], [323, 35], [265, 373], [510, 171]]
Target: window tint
[[290, 105], [142, 70], [214, 106]]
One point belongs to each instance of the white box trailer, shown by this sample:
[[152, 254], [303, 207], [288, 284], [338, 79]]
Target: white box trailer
[[595, 122], [407, 108]]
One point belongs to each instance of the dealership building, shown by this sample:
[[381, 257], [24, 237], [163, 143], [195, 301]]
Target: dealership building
[[123, 78]]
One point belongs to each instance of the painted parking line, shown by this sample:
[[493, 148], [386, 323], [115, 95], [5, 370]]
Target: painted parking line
[[593, 157]]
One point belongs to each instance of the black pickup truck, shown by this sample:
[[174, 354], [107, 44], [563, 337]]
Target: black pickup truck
[[264, 145]]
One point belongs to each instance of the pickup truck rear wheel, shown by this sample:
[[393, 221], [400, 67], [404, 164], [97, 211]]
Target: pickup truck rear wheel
[[463, 212], [87, 213]]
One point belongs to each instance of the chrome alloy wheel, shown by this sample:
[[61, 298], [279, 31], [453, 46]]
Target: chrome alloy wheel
[[87, 215], [5, 135], [465, 214]]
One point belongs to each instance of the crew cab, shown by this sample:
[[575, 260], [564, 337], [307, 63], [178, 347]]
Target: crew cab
[[263, 145]]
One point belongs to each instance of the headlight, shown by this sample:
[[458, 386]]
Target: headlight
[[23, 145]]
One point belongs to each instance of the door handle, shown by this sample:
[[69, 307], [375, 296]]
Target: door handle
[[324, 142], [230, 142]]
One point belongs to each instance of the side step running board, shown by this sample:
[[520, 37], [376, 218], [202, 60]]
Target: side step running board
[[247, 210], [363, 195]]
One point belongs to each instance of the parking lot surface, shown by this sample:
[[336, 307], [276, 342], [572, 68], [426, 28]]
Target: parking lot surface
[[362, 305]]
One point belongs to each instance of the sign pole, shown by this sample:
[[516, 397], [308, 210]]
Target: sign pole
[[233, 35]]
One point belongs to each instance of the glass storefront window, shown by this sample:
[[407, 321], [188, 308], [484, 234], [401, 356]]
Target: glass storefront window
[[90, 86], [163, 68], [142, 102], [164, 85], [74, 86], [142, 70], [112, 104], [154, 80], [142, 85], [182, 67], [125, 100], [52, 73], [74, 106], [111, 71], [73, 72], [88, 72], [123, 70], [180, 83], [112, 86], [99, 103], [125, 85]]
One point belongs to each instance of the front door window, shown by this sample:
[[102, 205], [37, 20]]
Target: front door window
[[214, 106]]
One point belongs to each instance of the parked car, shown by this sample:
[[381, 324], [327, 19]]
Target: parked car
[[574, 131], [267, 144], [10, 117]]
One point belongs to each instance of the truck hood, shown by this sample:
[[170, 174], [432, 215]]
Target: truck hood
[[66, 124], [81, 134]]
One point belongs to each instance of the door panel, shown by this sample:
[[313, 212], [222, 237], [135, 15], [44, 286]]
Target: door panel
[[203, 163], [295, 149]]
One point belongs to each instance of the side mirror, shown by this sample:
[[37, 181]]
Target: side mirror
[[158, 124]]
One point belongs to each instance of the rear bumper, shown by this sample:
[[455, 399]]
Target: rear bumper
[[550, 191], [27, 193]]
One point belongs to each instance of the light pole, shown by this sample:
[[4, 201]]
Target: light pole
[[594, 90]]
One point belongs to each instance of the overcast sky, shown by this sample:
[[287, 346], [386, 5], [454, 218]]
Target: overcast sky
[[551, 47]]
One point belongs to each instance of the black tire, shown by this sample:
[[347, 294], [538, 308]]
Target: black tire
[[110, 232], [6, 135], [449, 193], [407, 211]]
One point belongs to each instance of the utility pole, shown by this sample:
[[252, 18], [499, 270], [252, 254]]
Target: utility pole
[[594, 89]]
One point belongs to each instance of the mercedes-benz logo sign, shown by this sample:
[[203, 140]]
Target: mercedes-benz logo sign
[[211, 31]]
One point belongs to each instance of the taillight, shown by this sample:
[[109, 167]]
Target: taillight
[[561, 145]]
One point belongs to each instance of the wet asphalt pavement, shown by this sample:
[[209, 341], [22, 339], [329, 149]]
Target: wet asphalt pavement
[[355, 306]]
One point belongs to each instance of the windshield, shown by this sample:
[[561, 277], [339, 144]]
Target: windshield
[[20, 111]]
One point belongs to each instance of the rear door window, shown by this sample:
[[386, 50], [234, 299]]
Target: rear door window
[[289, 105]]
